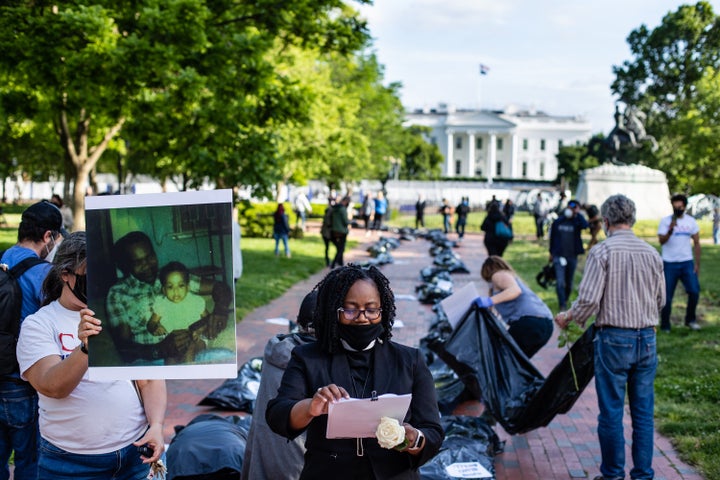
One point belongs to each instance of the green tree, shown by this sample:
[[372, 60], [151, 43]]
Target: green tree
[[423, 160], [193, 78], [572, 159], [662, 78]]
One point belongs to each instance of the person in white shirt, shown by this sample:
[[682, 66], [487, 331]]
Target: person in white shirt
[[87, 427], [681, 261], [302, 207]]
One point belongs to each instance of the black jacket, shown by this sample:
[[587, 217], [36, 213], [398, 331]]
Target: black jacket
[[397, 369]]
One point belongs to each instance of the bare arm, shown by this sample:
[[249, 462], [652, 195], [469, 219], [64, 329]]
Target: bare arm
[[663, 238], [154, 397], [697, 249], [57, 378], [506, 282]]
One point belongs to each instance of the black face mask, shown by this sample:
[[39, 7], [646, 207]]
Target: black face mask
[[80, 290], [678, 212], [360, 336]]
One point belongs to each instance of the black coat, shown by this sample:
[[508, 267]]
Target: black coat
[[397, 369]]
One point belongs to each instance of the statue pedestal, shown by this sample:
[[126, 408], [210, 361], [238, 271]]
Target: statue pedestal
[[646, 187]]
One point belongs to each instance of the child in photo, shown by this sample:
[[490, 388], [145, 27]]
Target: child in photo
[[177, 308]]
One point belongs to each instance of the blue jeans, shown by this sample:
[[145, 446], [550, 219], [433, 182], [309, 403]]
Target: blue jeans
[[123, 464], [284, 238], [564, 276], [625, 358], [685, 272], [19, 423]]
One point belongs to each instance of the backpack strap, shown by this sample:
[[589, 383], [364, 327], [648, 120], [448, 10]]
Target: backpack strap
[[24, 265]]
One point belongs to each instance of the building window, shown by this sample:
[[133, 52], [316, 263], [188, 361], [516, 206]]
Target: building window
[[542, 144], [433, 141], [524, 169], [478, 172], [478, 144], [542, 170], [458, 167], [560, 144], [498, 169], [525, 143], [498, 143], [458, 143]]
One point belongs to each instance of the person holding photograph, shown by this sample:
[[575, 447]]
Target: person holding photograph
[[353, 356], [89, 429]]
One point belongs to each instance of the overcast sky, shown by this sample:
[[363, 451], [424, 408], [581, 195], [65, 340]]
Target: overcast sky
[[551, 55]]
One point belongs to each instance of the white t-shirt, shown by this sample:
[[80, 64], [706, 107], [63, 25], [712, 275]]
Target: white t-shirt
[[97, 417], [678, 248], [177, 316]]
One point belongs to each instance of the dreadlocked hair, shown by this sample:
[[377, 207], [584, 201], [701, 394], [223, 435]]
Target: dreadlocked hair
[[331, 296]]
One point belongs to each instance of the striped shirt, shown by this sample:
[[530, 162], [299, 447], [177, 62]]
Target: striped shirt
[[623, 284]]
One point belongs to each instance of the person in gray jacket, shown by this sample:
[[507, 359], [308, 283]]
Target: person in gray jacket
[[262, 460]]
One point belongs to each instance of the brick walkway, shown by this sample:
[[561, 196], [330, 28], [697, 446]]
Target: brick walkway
[[566, 449]]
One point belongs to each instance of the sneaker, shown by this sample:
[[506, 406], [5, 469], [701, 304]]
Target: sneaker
[[693, 326]]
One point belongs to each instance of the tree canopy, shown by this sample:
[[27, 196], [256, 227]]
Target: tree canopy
[[175, 87], [672, 76]]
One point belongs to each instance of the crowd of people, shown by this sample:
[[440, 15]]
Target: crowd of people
[[72, 427]]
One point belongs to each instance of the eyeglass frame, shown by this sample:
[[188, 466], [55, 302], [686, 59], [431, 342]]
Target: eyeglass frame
[[359, 311]]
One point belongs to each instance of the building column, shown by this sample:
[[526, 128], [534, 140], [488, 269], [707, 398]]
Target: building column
[[492, 157], [449, 161], [471, 154], [514, 154]]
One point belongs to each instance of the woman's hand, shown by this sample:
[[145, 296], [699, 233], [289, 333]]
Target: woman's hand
[[305, 410], [411, 435], [89, 325], [153, 438], [323, 397]]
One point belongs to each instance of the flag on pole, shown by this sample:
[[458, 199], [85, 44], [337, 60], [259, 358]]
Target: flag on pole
[[484, 69]]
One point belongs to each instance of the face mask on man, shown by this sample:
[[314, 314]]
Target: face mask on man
[[678, 212], [568, 213]]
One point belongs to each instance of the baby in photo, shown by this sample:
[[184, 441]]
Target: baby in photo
[[177, 308]]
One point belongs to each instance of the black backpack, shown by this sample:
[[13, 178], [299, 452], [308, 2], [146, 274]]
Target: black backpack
[[10, 305]]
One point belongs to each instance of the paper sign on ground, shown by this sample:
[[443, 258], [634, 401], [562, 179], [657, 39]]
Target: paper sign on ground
[[467, 470], [457, 304], [360, 417]]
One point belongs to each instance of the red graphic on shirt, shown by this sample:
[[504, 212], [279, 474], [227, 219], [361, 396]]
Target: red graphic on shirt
[[62, 341]]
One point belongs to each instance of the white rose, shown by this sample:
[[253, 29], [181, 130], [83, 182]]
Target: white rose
[[390, 433]]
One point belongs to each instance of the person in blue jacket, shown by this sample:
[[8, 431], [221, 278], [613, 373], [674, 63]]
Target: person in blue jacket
[[565, 246]]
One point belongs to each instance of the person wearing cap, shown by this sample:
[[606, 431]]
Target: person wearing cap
[[40, 231], [565, 246]]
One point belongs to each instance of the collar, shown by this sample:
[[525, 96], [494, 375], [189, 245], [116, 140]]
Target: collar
[[370, 345]]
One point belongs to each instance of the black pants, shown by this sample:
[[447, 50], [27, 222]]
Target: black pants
[[338, 240], [327, 248], [531, 333], [539, 224]]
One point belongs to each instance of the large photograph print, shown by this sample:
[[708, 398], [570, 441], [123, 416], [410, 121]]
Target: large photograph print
[[160, 279]]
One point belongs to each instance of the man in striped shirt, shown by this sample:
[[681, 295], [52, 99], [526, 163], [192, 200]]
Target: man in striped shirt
[[624, 286]]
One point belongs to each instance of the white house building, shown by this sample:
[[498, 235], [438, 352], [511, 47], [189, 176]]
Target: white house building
[[491, 144]]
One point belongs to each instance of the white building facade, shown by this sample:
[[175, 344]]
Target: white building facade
[[508, 145]]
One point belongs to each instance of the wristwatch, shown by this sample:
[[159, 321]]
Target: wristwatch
[[419, 441], [83, 348]]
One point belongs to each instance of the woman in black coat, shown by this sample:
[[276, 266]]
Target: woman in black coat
[[495, 243], [354, 357]]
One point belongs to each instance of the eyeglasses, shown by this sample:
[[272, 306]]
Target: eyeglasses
[[354, 313]]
